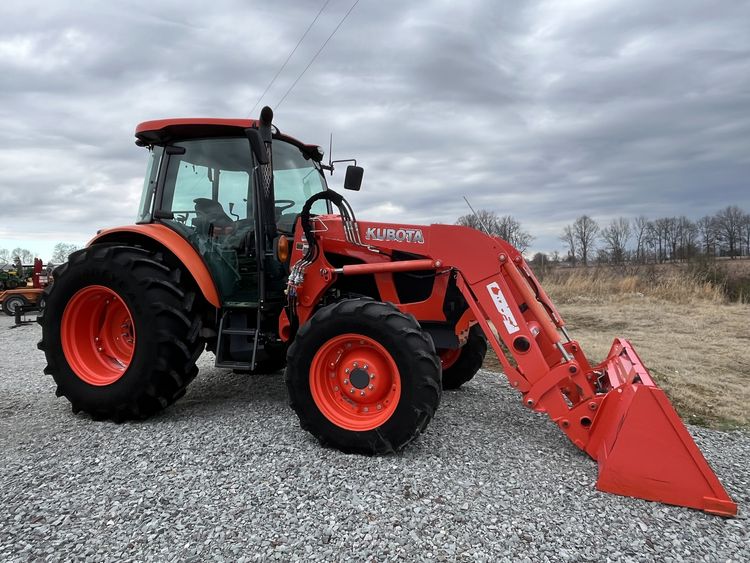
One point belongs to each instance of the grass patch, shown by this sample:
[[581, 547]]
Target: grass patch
[[691, 336]]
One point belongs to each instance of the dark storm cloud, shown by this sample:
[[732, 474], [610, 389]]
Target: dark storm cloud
[[544, 110]]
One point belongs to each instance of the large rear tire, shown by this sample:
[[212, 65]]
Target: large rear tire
[[121, 332], [461, 365], [363, 377]]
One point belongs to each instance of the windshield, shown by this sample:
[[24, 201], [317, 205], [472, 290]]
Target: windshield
[[215, 175]]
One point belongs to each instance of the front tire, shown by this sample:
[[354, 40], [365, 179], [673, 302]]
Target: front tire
[[363, 377], [461, 365], [120, 331]]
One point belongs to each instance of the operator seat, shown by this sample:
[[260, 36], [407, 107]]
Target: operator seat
[[210, 212]]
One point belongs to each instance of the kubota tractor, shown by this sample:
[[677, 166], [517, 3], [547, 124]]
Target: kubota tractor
[[236, 247]]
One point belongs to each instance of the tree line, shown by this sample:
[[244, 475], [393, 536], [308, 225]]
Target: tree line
[[724, 234], [60, 254]]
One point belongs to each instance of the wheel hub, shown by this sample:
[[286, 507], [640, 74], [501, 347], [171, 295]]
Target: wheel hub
[[355, 382], [359, 378]]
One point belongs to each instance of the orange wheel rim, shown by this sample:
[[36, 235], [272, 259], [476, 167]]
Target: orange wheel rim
[[355, 382], [98, 335], [448, 357]]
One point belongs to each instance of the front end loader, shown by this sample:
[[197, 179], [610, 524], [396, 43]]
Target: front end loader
[[240, 247]]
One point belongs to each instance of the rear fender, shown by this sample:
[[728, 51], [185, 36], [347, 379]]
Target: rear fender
[[174, 243]]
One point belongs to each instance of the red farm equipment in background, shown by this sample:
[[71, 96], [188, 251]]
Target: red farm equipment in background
[[237, 249]]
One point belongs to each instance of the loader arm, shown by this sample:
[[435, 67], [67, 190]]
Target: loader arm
[[614, 411]]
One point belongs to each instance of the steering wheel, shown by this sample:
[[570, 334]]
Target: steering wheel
[[286, 204]]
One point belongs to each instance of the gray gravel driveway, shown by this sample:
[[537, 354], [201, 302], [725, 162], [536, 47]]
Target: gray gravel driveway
[[227, 475]]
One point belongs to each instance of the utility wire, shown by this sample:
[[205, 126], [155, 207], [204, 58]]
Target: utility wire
[[309, 27], [316, 54]]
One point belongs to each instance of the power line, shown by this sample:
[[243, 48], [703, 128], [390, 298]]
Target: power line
[[309, 27], [317, 53]]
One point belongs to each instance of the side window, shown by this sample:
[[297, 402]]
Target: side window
[[192, 182], [233, 189], [149, 184]]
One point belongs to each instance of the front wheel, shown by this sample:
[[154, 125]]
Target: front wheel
[[363, 377]]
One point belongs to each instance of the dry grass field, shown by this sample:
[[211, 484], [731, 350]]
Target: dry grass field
[[694, 340]]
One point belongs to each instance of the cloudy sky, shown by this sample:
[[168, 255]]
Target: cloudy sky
[[542, 110]]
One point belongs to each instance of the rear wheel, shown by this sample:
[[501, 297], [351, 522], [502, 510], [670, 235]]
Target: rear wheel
[[363, 377], [121, 332], [460, 365], [12, 303]]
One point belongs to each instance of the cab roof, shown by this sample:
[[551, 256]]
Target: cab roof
[[163, 131]]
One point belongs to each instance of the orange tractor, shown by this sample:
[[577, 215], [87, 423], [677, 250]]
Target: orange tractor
[[236, 248]]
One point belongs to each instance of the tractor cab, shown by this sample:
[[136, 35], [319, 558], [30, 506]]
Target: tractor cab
[[208, 180], [204, 181]]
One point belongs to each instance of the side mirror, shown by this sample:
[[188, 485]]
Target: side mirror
[[353, 177], [257, 145]]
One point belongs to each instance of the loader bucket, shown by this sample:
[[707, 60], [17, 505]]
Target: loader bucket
[[643, 448]]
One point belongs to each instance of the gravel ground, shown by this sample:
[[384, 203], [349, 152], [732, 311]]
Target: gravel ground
[[226, 475]]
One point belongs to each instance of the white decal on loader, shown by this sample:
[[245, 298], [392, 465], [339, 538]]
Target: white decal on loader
[[399, 235], [502, 307]]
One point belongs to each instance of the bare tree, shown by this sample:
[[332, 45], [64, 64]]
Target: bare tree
[[570, 242], [4, 256], [687, 235], [483, 220], [640, 230], [660, 229], [510, 230], [25, 255], [585, 231], [505, 227], [61, 252], [729, 227], [706, 226], [615, 237]]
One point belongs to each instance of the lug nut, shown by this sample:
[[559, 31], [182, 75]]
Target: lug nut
[[380, 406], [372, 376], [347, 370], [351, 390], [371, 387], [356, 364], [364, 366], [361, 393], [346, 382], [336, 388]]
